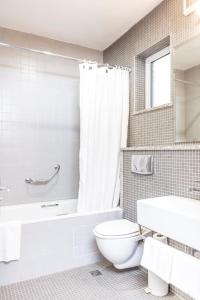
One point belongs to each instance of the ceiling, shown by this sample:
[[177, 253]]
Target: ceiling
[[91, 23]]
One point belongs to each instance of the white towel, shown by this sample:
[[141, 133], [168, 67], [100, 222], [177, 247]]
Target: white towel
[[157, 257], [185, 274], [10, 240], [142, 164]]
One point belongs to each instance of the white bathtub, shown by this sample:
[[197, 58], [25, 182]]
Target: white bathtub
[[54, 238]]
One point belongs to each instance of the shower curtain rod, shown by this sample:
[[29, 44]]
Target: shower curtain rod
[[62, 56]]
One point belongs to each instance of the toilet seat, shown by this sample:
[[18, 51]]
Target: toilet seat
[[119, 229]]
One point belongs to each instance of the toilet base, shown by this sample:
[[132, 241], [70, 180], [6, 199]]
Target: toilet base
[[135, 259]]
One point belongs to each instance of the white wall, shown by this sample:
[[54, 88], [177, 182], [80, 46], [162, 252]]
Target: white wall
[[39, 113]]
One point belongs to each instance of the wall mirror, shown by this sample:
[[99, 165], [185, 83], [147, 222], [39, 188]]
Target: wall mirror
[[186, 63]]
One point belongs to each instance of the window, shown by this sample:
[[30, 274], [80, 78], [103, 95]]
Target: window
[[157, 79]]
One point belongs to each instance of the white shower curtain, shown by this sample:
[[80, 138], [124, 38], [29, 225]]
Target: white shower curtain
[[104, 109]]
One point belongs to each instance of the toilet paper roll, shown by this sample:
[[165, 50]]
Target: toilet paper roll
[[156, 285], [160, 237]]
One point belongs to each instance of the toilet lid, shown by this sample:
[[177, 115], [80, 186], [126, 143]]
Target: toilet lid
[[117, 228]]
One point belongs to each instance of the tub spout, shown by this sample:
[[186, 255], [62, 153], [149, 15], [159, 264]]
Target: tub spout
[[4, 188]]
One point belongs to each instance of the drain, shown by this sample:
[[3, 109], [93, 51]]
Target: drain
[[95, 273]]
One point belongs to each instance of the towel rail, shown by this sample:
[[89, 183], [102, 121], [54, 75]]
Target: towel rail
[[43, 181]]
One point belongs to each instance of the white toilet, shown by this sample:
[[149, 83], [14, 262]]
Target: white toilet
[[120, 242]]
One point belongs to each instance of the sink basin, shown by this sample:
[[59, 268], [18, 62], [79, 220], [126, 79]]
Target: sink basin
[[175, 217]]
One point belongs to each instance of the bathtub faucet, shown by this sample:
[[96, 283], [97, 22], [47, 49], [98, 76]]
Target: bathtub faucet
[[4, 188]]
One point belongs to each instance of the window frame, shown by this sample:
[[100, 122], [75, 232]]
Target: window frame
[[148, 76]]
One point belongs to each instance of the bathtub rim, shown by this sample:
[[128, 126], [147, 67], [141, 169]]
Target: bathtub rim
[[59, 217]]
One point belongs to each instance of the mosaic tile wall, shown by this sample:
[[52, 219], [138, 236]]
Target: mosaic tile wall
[[153, 127], [174, 173]]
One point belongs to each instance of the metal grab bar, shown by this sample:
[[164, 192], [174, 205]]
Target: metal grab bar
[[43, 181]]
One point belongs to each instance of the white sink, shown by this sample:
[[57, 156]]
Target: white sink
[[175, 217]]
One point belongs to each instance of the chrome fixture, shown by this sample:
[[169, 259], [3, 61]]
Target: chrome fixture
[[4, 188], [194, 188], [43, 181], [49, 205]]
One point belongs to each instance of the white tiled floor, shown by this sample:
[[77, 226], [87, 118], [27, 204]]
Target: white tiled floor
[[79, 284]]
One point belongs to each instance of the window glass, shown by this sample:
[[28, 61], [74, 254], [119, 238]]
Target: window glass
[[157, 79], [160, 81]]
